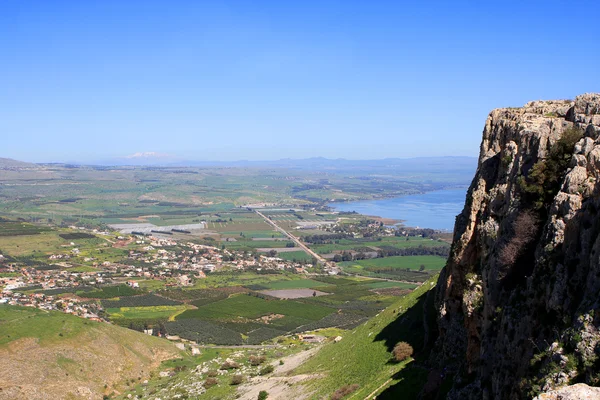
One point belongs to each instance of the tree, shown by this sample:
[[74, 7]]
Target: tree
[[422, 267], [272, 253], [314, 294], [402, 351]]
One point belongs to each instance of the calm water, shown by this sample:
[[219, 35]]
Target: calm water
[[435, 210]]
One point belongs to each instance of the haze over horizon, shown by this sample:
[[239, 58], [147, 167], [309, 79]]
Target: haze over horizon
[[238, 80]]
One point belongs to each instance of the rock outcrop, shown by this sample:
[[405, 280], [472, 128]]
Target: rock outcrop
[[519, 299], [579, 391]]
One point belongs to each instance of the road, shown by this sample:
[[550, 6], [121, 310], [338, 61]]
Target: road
[[293, 238]]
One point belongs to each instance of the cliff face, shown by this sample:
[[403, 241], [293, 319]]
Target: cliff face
[[519, 299]]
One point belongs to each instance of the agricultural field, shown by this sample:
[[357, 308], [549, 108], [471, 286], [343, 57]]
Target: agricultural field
[[370, 244], [297, 256], [245, 306], [409, 268], [430, 263], [16, 228], [366, 360], [295, 284], [235, 309], [145, 312]]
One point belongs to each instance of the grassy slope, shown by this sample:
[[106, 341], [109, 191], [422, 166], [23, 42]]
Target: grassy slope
[[63, 356], [363, 356]]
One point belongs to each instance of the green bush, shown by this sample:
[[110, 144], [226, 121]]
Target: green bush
[[262, 395], [266, 370], [544, 178]]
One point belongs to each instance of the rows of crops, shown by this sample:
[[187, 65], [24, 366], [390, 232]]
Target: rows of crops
[[146, 300], [12, 228]]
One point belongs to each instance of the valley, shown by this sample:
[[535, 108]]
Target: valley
[[229, 273]]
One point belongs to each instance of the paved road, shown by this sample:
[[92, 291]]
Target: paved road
[[293, 238]]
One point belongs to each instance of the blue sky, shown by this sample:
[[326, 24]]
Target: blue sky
[[228, 80]]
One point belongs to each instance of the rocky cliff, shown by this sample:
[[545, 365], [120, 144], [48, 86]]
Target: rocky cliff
[[519, 299]]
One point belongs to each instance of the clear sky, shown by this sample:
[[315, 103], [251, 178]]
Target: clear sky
[[227, 80]]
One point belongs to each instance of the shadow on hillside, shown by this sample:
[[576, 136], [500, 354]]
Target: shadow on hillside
[[417, 326], [412, 326]]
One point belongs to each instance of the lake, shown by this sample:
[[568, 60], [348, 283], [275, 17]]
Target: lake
[[436, 210]]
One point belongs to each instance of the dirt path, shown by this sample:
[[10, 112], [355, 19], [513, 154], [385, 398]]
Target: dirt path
[[280, 384]]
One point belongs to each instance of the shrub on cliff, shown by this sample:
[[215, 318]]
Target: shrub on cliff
[[543, 181], [525, 228]]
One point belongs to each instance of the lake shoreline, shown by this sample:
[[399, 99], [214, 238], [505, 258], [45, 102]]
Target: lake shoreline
[[434, 210]]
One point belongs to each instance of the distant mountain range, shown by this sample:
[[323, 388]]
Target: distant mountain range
[[156, 159], [10, 163], [421, 166]]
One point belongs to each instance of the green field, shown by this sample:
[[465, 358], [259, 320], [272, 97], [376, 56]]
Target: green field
[[367, 244], [14, 228], [20, 322], [295, 284], [391, 284], [267, 233], [255, 244], [253, 307], [148, 312], [431, 263], [294, 256]]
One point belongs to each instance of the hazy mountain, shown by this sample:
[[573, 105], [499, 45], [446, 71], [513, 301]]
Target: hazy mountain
[[10, 163]]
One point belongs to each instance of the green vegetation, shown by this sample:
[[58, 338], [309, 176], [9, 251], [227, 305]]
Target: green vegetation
[[409, 268], [433, 263], [298, 256], [148, 300], [372, 244], [295, 284], [391, 284], [542, 182], [109, 292], [363, 356], [15, 228], [146, 312], [21, 322], [254, 307], [87, 353]]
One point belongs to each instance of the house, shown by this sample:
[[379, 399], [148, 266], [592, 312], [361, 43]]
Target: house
[[133, 284]]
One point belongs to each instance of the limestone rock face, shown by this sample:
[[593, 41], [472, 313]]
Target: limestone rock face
[[579, 391], [519, 299]]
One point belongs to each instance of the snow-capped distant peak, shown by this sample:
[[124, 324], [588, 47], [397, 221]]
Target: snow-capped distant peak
[[147, 154]]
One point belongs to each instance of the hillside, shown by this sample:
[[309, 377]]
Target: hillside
[[519, 297], [363, 356], [51, 355], [9, 163]]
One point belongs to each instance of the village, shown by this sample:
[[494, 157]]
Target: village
[[163, 260]]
